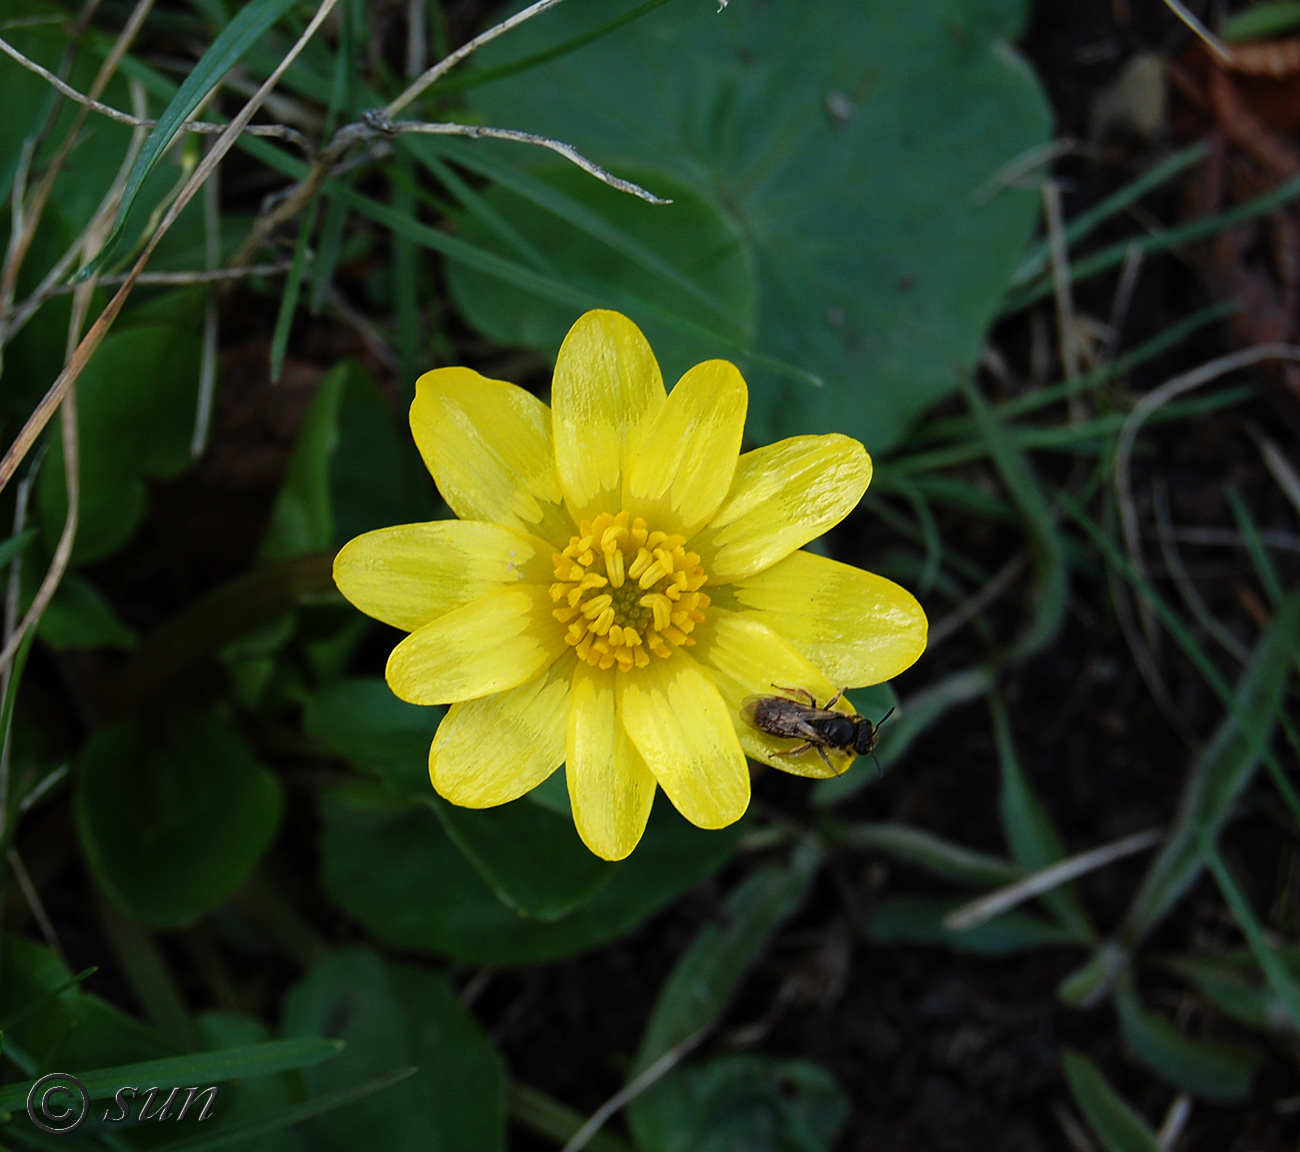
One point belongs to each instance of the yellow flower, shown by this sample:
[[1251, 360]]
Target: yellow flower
[[619, 580]]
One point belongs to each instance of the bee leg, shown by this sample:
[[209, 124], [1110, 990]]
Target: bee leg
[[825, 759], [800, 750], [835, 699], [798, 692]]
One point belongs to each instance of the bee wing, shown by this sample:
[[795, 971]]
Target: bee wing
[[749, 705]]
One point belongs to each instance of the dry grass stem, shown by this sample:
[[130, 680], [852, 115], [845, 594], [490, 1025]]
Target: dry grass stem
[[968, 609], [1183, 582], [981, 911], [1067, 327], [448, 62], [1215, 45], [45, 409], [1015, 169], [630, 1091]]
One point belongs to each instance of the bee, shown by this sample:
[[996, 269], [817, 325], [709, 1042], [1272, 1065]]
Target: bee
[[818, 728]]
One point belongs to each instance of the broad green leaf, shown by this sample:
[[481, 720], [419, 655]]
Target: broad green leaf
[[1219, 774], [395, 1014], [532, 859], [345, 472], [743, 1103], [701, 266], [845, 148], [1112, 1120], [15, 546], [915, 715], [1032, 837], [919, 920], [73, 1029], [926, 850], [707, 974], [78, 616], [366, 724], [1207, 1068], [391, 865], [135, 415], [172, 814], [249, 22]]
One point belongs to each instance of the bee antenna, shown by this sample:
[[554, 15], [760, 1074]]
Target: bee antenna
[[885, 717], [879, 770]]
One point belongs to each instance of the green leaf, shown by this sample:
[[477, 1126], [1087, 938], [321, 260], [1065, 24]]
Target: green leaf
[[72, 1029], [1206, 1068], [366, 724], [319, 1106], [172, 815], [250, 21], [388, 1014], [135, 415], [916, 714], [15, 546], [79, 617], [707, 974], [1112, 1120], [744, 1104], [1262, 21], [937, 856], [208, 1067], [1046, 544], [391, 865], [344, 475], [919, 920], [1234, 984], [1219, 774], [1285, 988], [302, 519], [1032, 837], [699, 263], [531, 858], [846, 149]]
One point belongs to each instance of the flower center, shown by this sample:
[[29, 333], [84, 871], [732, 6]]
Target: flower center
[[625, 592]]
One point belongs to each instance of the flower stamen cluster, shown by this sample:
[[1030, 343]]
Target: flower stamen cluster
[[618, 612]]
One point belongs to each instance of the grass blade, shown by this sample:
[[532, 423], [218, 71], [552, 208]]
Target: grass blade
[[292, 287], [1207, 1068], [1280, 980], [1045, 538], [235, 39], [1218, 775], [708, 973], [915, 715], [287, 1117], [1109, 1116], [1029, 831], [204, 1067], [1250, 536], [937, 856]]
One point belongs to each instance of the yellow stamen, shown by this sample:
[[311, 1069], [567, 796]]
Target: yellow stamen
[[625, 592]]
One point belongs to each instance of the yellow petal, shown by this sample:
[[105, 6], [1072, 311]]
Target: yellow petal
[[492, 750], [606, 392], [783, 496], [857, 627], [682, 729], [488, 445], [495, 643], [685, 466], [746, 658], [610, 788], [414, 573]]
